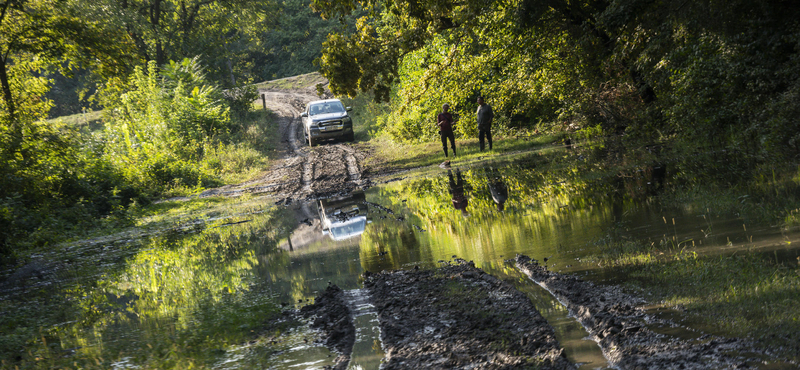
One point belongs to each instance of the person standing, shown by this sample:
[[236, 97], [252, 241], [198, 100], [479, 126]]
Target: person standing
[[485, 116], [445, 122]]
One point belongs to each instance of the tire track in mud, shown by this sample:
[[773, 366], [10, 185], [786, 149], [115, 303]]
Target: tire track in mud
[[324, 169], [303, 172], [291, 112], [353, 170]]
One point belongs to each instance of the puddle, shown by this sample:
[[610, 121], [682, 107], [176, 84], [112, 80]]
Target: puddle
[[367, 350], [199, 299]]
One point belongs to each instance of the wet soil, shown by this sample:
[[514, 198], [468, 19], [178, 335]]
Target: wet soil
[[332, 317], [303, 172], [618, 322], [453, 317], [458, 317]]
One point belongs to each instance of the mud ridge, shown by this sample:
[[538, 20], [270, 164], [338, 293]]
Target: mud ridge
[[458, 317], [334, 319], [617, 323]]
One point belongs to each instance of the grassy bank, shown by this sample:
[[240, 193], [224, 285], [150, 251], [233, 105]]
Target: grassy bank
[[746, 295], [389, 154]]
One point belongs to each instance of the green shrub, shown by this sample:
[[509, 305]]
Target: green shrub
[[241, 99], [162, 124]]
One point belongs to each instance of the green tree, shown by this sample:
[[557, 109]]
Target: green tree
[[719, 74], [164, 30], [37, 34], [290, 47]]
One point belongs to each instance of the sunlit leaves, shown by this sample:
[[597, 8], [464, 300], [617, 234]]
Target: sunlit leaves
[[163, 122]]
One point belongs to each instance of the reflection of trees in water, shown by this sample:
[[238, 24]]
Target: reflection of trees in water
[[181, 295], [543, 198], [394, 243]]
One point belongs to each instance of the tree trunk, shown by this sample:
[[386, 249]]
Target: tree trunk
[[9, 99], [155, 21], [11, 108], [230, 68]]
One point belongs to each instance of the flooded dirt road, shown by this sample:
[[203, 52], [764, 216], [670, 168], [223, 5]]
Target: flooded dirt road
[[302, 171], [414, 281]]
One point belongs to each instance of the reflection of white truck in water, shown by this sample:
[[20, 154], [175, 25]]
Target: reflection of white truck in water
[[343, 218]]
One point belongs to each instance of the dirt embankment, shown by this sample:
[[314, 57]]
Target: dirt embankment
[[459, 317], [618, 324]]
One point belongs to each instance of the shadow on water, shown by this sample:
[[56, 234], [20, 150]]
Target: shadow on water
[[203, 297]]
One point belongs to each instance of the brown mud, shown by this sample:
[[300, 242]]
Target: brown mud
[[459, 317], [332, 317], [619, 323]]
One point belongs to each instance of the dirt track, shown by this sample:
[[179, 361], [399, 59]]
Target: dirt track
[[303, 172]]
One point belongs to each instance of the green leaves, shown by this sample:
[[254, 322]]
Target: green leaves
[[709, 74], [164, 121]]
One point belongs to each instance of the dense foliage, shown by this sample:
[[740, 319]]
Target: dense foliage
[[166, 131], [244, 44], [710, 74], [713, 74], [291, 46], [158, 69], [161, 125]]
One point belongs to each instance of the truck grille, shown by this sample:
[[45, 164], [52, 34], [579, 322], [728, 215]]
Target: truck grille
[[330, 123]]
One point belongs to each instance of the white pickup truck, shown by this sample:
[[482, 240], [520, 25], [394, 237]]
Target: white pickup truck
[[327, 119]]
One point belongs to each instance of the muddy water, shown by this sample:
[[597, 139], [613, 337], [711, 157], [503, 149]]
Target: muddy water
[[489, 214], [197, 295]]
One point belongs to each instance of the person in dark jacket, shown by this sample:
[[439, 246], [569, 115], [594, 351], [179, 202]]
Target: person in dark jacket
[[485, 115], [445, 122], [459, 199]]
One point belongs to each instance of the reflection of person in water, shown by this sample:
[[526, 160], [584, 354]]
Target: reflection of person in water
[[498, 188], [457, 191]]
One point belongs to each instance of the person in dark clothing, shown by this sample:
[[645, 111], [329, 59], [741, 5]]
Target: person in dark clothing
[[485, 115], [497, 188], [459, 199], [445, 122]]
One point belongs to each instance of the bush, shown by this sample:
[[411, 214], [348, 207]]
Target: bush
[[241, 99], [162, 124]]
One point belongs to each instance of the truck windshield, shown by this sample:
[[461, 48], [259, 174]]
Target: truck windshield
[[325, 108]]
